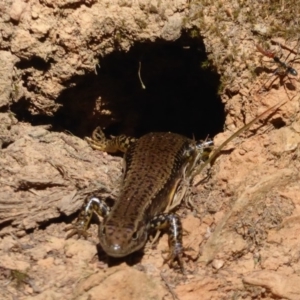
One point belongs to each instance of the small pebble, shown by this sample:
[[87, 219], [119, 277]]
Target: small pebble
[[217, 264]]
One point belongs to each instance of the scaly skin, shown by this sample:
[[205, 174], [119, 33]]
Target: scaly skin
[[155, 166]]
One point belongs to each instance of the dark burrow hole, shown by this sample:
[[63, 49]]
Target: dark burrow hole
[[181, 93], [35, 62], [278, 123]]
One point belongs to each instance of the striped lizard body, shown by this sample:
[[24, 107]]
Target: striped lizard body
[[156, 165]]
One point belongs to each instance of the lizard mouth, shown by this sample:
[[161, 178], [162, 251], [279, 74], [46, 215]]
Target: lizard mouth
[[116, 246], [116, 250]]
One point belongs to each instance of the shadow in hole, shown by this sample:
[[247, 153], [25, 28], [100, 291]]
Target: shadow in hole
[[180, 95]]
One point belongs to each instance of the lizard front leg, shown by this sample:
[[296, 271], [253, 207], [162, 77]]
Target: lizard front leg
[[89, 207], [172, 223]]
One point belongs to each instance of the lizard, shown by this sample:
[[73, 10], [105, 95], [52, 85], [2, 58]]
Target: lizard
[[156, 167]]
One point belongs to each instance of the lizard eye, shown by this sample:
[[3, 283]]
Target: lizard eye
[[135, 236]]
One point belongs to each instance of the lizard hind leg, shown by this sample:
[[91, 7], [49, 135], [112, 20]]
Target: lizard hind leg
[[98, 141]]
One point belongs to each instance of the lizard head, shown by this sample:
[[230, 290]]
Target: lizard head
[[119, 240]]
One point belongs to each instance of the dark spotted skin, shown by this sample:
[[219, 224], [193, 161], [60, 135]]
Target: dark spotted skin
[[155, 166], [125, 228]]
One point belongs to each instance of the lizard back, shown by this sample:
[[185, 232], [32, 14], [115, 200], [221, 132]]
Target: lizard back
[[153, 164]]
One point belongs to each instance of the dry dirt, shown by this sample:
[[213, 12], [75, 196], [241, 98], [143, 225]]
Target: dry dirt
[[244, 241]]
